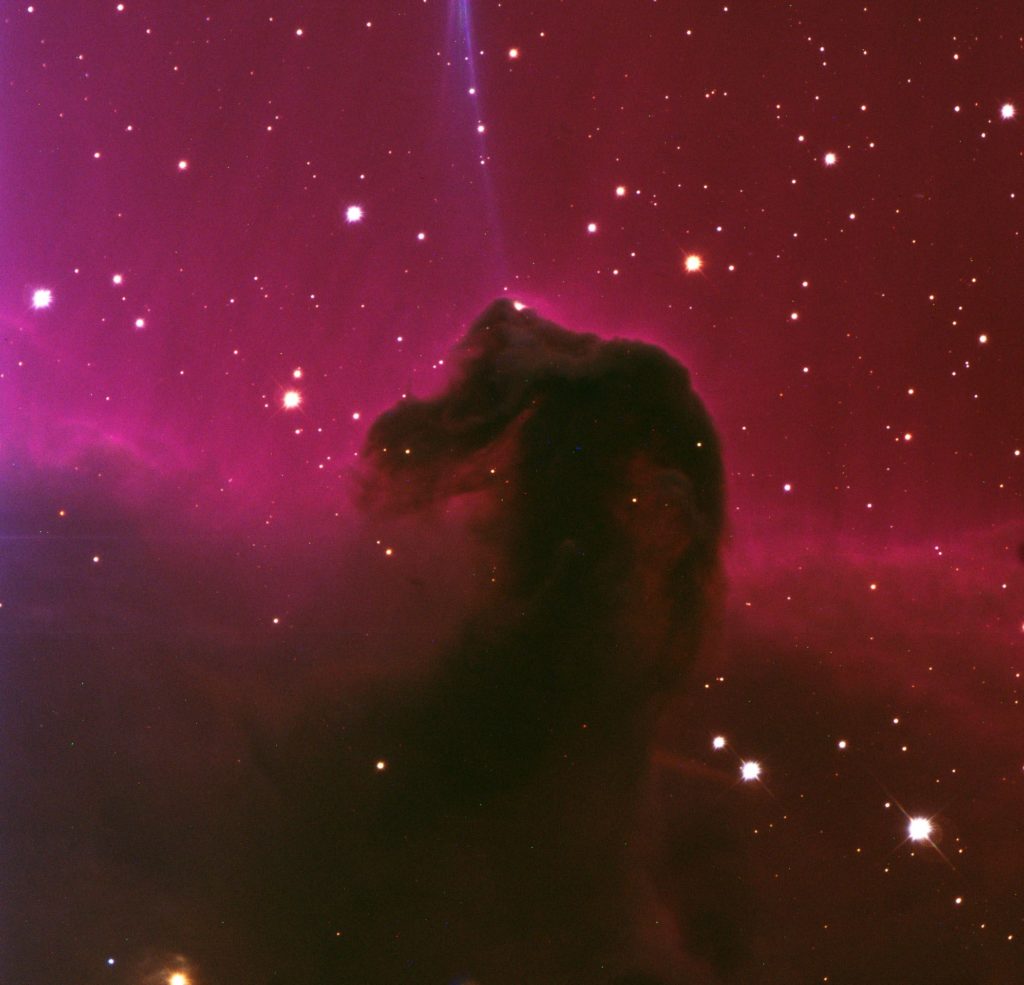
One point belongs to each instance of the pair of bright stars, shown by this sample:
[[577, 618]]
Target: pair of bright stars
[[918, 828], [175, 978]]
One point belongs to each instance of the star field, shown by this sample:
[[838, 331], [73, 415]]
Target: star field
[[236, 235]]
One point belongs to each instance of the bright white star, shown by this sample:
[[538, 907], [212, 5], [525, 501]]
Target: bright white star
[[354, 213], [693, 263], [830, 158], [919, 829], [291, 399], [42, 297], [1008, 111], [750, 770]]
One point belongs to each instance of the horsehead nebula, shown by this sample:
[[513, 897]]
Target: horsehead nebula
[[512, 835]]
